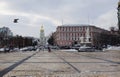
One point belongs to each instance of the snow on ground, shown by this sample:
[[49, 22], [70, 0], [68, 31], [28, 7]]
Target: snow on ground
[[72, 50], [116, 48]]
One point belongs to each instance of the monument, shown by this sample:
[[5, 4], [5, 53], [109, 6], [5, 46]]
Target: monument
[[86, 40], [87, 35]]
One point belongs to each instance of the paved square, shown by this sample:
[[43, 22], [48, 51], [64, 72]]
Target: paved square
[[36, 64]]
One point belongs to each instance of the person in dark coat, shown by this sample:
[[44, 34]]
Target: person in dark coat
[[49, 50]]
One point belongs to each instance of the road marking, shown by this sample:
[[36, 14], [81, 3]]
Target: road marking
[[5, 71], [68, 63]]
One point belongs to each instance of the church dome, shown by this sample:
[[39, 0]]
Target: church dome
[[42, 29]]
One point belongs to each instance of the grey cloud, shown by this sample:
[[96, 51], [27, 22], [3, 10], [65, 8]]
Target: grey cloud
[[71, 11]]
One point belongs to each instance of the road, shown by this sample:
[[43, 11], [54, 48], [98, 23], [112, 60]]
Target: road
[[36, 64]]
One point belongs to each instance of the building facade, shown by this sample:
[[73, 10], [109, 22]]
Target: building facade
[[66, 35]]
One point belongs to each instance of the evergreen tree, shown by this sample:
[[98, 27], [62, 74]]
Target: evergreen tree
[[51, 40]]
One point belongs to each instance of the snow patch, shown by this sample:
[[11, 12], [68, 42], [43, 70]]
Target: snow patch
[[69, 50], [116, 48]]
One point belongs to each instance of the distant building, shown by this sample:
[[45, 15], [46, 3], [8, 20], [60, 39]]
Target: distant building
[[42, 36], [66, 35], [5, 32]]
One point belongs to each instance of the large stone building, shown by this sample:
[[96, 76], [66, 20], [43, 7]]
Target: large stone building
[[66, 35]]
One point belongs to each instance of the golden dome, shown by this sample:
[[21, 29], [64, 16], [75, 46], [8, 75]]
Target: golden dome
[[42, 29]]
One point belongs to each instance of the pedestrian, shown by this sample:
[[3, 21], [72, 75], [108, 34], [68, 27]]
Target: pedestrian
[[49, 50]]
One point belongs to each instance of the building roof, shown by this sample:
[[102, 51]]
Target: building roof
[[82, 25], [76, 25]]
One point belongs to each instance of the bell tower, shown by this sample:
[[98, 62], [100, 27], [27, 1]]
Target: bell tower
[[42, 36]]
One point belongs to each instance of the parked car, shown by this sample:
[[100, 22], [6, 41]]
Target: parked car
[[86, 49], [30, 48], [54, 47], [65, 47], [24, 49], [15, 49], [5, 49], [75, 47], [2, 49]]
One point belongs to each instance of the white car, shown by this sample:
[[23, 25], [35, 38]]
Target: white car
[[24, 49], [16, 49], [2, 49], [86, 49]]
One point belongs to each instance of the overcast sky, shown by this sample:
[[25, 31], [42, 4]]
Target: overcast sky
[[33, 13]]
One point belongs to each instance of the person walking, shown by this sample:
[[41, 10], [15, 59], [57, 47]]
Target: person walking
[[49, 49]]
